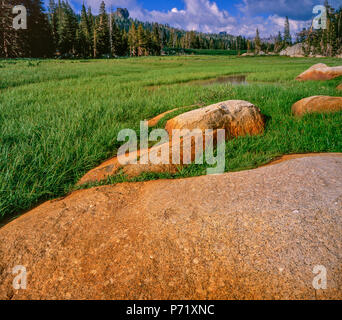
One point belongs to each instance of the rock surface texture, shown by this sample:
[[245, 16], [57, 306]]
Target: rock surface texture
[[320, 71], [317, 104], [255, 234], [339, 87]]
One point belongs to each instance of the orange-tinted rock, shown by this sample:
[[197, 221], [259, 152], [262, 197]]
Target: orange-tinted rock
[[317, 104], [320, 71], [255, 234], [339, 87], [237, 117]]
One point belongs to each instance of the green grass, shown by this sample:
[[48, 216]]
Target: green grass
[[59, 119]]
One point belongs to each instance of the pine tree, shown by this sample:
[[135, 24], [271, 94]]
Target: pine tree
[[142, 42], [102, 32], [248, 46], [67, 30], [279, 44], [91, 22], [287, 33], [133, 41], [5, 30], [118, 41], [156, 41], [7, 43], [53, 19], [84, 35], [171, 43], [257, 41]]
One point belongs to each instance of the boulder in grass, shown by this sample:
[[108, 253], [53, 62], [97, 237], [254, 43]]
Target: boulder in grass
[[237, 117], [339, 87], [320, 71], [317, 104]]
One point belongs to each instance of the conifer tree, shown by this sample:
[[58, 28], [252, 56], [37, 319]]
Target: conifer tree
[[91, 22], [287, 33], [102, 32], [84, 35], [257, 41], [156, 41], [67, 30], [6, 32], [53, 19], [118, 41], [142, 42], [133, 41]]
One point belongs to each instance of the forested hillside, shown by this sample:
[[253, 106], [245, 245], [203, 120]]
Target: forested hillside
[[61, 32]]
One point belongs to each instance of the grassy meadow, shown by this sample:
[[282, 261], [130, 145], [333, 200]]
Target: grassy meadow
[[60, 118]]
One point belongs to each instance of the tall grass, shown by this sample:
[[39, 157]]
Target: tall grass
[[59, 119]]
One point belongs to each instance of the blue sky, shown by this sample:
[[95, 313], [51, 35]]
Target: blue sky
[[233, 16]]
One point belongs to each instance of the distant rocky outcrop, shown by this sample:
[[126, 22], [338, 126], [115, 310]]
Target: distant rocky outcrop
[[122, 13], [317, 104], [295, 51], [320, 71], [256, 234]]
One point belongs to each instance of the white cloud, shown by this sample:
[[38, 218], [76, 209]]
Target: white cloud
[[201, 15], [294, 9], [206, 16]]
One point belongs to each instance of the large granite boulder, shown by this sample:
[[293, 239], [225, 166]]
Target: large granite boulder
[[294, 51], [317, 104], [320, 71], [237, 117], [257, 234]]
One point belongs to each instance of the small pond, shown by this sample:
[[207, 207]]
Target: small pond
[[234, 80]]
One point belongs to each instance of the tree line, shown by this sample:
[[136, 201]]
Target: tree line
[[60, 32], [115, 34]]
